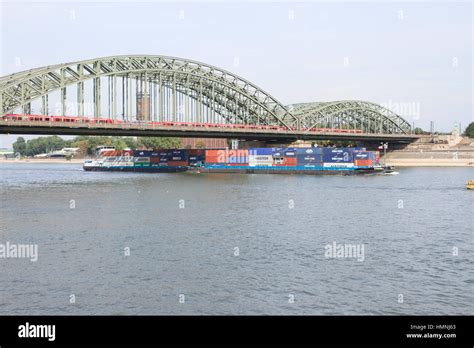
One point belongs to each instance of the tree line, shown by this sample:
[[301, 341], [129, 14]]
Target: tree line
[[88, 144]]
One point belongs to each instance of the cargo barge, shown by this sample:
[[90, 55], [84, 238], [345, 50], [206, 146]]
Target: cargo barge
[[313, 161]]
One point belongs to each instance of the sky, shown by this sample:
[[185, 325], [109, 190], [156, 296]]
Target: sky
[[413, 57]]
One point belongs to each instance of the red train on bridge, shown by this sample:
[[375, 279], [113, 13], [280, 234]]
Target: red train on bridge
[[83, 119]]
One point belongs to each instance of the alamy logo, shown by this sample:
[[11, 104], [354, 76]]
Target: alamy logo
[[309, 151], [20, 251], [335, 250], [37, 331]]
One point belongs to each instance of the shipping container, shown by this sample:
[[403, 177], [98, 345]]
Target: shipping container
[[280, 151], [141, 159], [177, 155], [260, 160], [362, 155], [338, 165], [265, 151], [124, 164], [309, 151], [177, 163], [142, 153], [216, 156], [196, 152], [314, 158], [338, 155], [311, 165], [363, 163], [158, 159], [290, 161], [283, 152], [284, 161]]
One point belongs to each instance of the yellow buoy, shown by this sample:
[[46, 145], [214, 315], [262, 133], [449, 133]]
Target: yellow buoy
[[470, 185]]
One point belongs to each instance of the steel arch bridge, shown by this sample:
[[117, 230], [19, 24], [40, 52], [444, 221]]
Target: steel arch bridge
[[350, 114], [159, 95]]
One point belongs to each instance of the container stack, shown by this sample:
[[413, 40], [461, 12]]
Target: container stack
[[301, 159], [310, 157], [335, 158]]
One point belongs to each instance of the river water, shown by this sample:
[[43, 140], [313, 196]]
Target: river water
[[127, 243]]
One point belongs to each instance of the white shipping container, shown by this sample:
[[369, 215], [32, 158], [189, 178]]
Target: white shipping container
[[141, 159], [125, 164], [338, 165], [260, 160]]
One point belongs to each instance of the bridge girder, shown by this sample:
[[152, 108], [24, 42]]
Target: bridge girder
[[354, 114]]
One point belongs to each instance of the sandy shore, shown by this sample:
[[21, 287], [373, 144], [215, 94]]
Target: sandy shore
[[409, 162]]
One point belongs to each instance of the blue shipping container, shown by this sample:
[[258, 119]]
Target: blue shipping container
[[361, 155], [199, 158], [310, 158], [260, 151], [337, 155], [309, 151], [283, 152]]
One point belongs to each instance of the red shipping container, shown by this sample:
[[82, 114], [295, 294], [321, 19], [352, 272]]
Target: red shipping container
[[215, 159], [363, 163], [216, 156], [290, 161], [177, 163], [196, 152]]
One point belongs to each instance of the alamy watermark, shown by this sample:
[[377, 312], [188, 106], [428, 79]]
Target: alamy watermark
[[404, 109], [348, 251], [19, 251]]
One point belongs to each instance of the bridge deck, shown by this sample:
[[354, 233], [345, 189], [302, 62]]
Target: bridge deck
[[135, 129]]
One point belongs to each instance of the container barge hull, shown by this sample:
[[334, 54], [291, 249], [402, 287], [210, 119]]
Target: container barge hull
[[353, 171], [136, 169]]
